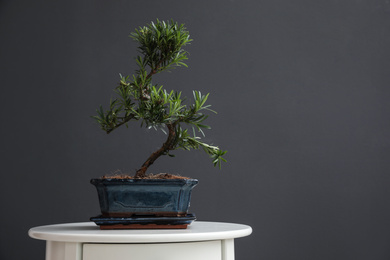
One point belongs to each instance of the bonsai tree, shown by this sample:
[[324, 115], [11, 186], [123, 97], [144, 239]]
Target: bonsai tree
[[138, 99]]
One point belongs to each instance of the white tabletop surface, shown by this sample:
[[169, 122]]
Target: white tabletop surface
[[89, 232]]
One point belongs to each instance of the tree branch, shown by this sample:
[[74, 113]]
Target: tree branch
[[125, 120]]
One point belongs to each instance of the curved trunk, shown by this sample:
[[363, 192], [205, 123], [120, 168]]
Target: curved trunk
[[167, 146]]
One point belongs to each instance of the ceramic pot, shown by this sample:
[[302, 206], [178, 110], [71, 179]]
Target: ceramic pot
[[144, 197]]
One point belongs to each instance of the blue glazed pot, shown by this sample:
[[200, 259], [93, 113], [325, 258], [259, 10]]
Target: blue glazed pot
[[157, 197]]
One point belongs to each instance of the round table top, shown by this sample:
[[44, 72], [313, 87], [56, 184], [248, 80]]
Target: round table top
[[89, 232]]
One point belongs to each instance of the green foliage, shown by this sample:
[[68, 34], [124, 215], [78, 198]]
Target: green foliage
[[160, 46]]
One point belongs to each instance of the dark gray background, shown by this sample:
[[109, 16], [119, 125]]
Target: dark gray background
[[302, 91]]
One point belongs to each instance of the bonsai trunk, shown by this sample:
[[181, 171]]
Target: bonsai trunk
[[167, 146]]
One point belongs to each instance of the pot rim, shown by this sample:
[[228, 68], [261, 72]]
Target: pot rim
[[114, 180]]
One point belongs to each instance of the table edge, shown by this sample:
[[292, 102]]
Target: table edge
[[156, 238]]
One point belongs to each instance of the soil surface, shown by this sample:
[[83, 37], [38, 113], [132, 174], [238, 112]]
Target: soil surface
[[148, 176]]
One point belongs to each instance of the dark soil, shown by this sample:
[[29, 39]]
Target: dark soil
[[165, 176]]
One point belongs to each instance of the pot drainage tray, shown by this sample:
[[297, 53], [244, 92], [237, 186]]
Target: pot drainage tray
[[143, 222]]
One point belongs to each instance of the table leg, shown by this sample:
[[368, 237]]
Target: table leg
[[63, 250], [228, 249]]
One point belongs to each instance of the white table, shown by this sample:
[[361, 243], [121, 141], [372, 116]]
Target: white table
[[85, 241]]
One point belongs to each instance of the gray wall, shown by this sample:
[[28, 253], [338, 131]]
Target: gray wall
[[302, 91]]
